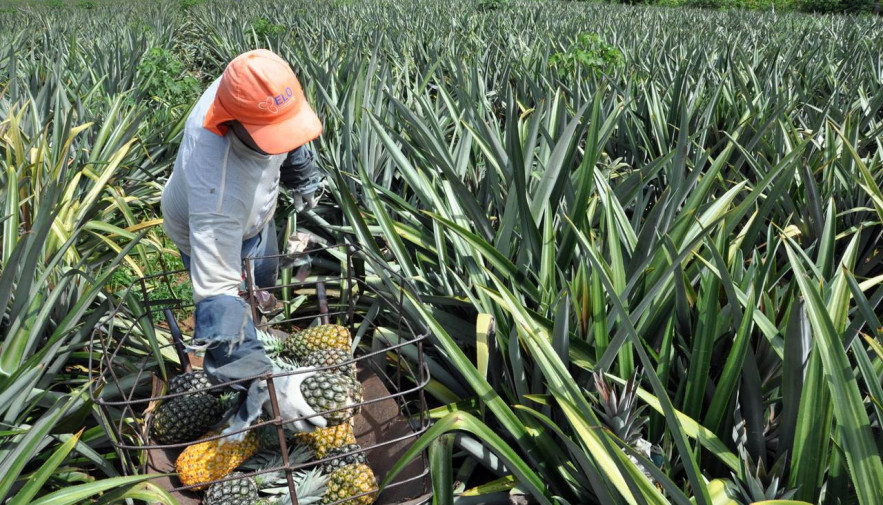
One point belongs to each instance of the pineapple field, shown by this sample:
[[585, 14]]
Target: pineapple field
[[644, 245]]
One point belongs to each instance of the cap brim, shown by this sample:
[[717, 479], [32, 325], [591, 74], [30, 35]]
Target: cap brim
[[288, 135], [215, 118]]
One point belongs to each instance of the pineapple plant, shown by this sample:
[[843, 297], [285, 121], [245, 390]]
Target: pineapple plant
[[351, 485], [210, 460], [185, 418], [323, 440], [330, 357], [759, 483], [329, 391], [623, 418], [344, 455], [327, 336]]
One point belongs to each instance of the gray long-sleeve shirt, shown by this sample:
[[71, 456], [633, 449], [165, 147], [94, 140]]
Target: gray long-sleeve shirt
[[219, 194]]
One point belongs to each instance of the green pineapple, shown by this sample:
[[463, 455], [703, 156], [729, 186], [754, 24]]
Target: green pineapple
[[309, 487], [241, 491], [330, 357], [328, 391], [269, 436], [185, 418], [327, 336], [269, 439], [191, 381]]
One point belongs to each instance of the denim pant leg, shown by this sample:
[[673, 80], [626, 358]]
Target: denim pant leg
[[224, 328], [265, 270], [185, 259]]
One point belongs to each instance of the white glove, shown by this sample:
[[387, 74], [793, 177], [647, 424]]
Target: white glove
[[305, 202], [291, 406], [292, 403]]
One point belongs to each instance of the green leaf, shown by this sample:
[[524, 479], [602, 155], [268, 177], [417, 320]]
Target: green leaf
[[864, 462], [461, 421], [440, 456], [729, 379], [493, 255], [37, 479], [76, 494], [538, 447], [27, 446]]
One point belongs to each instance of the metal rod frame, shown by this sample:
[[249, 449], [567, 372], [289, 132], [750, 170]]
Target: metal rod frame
[[351, 289]]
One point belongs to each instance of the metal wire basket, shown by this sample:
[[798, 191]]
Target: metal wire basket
[[339, 284]]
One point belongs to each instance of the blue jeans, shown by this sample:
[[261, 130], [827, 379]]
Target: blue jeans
[[225, 330]]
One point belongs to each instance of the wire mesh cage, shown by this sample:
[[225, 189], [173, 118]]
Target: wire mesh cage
[[143, 343]]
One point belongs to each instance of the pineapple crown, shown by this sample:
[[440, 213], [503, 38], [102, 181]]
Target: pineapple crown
[[274, 346], [309, 483], [619, 411], [759, 482], [310, 486], [297, 454]]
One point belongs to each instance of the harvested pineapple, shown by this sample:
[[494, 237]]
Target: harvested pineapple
[[354, 484], [207, 461], [323, 440], [327, 336], [241, 491], [329, 391], [185, 418], [348, 455], [330, 357], [309, 484], [192, 381]]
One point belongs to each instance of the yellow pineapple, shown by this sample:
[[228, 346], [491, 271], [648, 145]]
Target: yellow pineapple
[[207, 461], [350, 481], [322, 440], [327, 336]]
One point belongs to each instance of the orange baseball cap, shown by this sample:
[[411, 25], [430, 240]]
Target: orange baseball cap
[[259, 89]]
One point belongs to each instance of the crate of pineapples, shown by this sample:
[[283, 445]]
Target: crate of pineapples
[[165, 416]]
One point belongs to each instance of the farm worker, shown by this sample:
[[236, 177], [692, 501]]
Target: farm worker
[[245, 135]]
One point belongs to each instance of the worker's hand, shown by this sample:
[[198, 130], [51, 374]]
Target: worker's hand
[[300, 173], [293, 405], [305, 202]]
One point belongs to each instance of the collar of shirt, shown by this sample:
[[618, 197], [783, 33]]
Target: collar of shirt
[[243, 151]]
